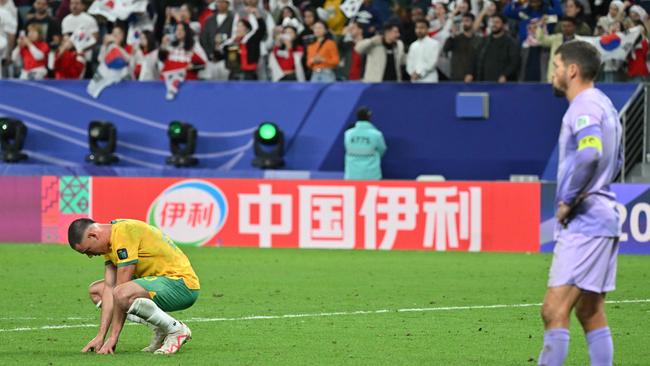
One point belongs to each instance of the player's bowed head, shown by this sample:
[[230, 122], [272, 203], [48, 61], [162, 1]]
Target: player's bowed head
[[88, 237]]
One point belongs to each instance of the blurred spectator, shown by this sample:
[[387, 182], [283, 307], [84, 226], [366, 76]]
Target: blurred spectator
[[637, 67], [407, 26], [574, 9], [616, 14], [464, 48], [322, 55], [278, 8], [613, 70], [8, 29], [309, 18], [79, 19], [331, 13], [69, 64], [461, 8], [498, 58], [62, 10], [483, 22], [439, 20], [523, 11], [208, 10], [164, 9], [50, 27], [351, 64], [423, 55], [568, 27], [32, 53], [364, 147], [221, 23], [23, 7], [639, 15], [181, 14], [145, 58], [527, 12], [255, 9], [306, 37], [114, 52], [384, 55], [286, 58], [369, 18], [243, 51], [289, 15], [180, 51]]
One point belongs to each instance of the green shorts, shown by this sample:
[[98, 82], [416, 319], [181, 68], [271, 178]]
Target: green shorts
[[169, 294]]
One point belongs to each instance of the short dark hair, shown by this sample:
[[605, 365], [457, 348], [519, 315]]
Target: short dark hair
[[469, 15], [389, 26], [423, 21], [569, 19], [364, 114], [76, 231], [501, 16], [582, 54]]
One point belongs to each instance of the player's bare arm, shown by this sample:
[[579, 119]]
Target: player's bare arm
[[96, 343]]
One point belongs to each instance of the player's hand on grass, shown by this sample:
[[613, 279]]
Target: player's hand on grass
[[94, 345], [108, 348]]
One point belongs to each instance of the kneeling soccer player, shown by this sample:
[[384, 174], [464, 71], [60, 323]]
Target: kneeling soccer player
[[145, 276]]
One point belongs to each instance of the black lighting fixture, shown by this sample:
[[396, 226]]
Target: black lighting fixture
[[102, 139], [12, 139], [268, 146], [182, 143]]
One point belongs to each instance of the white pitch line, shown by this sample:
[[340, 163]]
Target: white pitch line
[[328, 314]]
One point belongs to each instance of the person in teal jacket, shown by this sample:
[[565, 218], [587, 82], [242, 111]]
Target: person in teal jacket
[[364, 147]]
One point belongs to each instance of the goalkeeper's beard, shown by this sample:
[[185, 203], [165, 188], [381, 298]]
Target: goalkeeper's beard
[[559, 90]]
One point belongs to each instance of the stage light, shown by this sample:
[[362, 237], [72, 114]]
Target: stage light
[[268, 146], [102, 139], [12, 139], [182, 143]]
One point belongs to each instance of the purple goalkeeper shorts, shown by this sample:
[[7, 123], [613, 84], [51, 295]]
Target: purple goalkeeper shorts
[[589, 263]]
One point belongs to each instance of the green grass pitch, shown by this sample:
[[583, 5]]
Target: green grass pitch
[[45, 285]]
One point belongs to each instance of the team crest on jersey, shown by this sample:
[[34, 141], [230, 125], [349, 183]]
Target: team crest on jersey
[[122, 254], [582, 122]]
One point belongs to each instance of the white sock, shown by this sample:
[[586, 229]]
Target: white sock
[[149, 311], [131, 317], [137, 319]]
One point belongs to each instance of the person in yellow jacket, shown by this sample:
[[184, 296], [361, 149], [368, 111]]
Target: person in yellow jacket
[[333, 16]]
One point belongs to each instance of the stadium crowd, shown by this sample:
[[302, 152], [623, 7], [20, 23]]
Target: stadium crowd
[[317, 40]]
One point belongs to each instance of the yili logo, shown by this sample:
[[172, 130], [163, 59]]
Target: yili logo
[[190, 212]]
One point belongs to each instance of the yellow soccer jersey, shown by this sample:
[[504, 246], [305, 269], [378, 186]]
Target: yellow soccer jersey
[[152, 252]]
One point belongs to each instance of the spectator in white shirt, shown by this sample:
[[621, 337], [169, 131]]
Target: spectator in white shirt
[[8, 27], [79, 19], [423, 55]]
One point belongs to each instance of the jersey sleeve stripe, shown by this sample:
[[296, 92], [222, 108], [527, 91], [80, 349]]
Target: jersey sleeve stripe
[[127, 263]]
